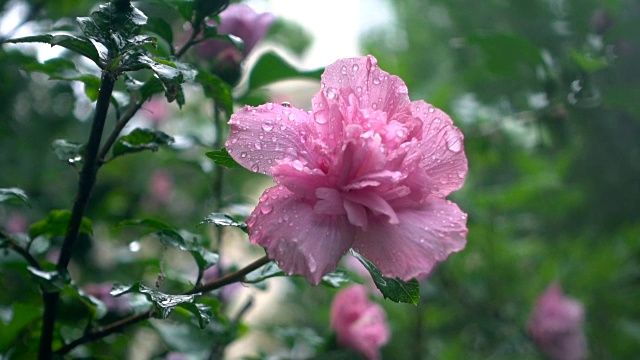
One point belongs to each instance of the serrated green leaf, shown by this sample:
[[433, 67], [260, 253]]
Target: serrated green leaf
[[271, 68], [68, 151], [56, 223], [165, 303], [336, 279], [14, 194], [393, 289], [217, 89], [222, 158], [50, 281], [139, 140], [79, 45], [219, 219]]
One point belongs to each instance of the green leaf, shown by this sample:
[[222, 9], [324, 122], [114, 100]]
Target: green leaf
[[162, 28], [217, 89], [222, 158], [115, 25], [68, 151], [271, 68], [266, 272], [14, 194], [336, 279], [56, 223], [588, 63], [97, 307], [171, 237], [15, 318], [165, 303], [172, 74], [139, 140], [50, 281], [219, 219], [79, 45], [64, 69], [393, 289]]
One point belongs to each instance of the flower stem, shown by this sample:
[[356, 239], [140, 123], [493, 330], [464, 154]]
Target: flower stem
[[85, 184]]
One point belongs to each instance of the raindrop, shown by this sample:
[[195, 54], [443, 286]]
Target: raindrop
[[258, 145], [453, 142], [358, 88], [267, 126], [431, 109], [400, 133], [243, 154], [320, 119], [376, 81], [355, 67], [269, 106], [286, 104], [312, 264], [234, 140], [134, 246], [331, 93], [343, 70], [291, 117], [266, 208], [255, 167]]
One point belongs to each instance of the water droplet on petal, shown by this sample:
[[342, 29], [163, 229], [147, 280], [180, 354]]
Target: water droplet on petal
[[255, 167], [267, 126], [355, 67], [320, 119], [358, 88], [376, 81], [266, 208], [343, 70], [269, 106], [331, 93], [234, 140], [258, 145], [243, 154], [454, 143], [285, 104]]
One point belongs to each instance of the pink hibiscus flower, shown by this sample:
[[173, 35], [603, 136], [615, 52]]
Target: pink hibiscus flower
[[359, 323], [556, 326], [367, 169]]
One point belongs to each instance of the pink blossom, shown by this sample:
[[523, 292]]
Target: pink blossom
[[242, 21], [367, 169], [119, 305], [359, 323], [161, 187], [556, 326]]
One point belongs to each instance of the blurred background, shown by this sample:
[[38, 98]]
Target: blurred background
[[546, 93]]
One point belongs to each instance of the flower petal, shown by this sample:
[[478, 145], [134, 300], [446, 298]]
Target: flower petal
[[302, 241], [442, 149], [261, 136], [373, 88], [423, 237]]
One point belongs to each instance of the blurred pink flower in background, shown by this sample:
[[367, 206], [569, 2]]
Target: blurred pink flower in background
[[556, 326], [367, 169], [17, 223], [156, 109], [239, 20], [160, 188], [359, 323]]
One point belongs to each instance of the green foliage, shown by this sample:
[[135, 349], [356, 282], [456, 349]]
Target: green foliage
[[271, 68], [215, 88], [80, 45], [219, 219], [67, 151], [14, 194], [393, 289], [222, 158], [55, 224], [165, 303], [139, 140]]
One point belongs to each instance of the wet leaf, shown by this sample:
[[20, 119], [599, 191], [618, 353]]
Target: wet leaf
[[219, 219], [162, 28], [14, 194], [139, 140], [222, 158], [393, 289], [165, 303], [79, 45], [336, 279], [68, 151], [271, 68], [56, 223], [50, 281], [266, 272], [217, 89]]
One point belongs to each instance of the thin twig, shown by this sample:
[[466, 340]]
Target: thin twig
[[192, 41], [120, 124], [21, 251], [134, 319]]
